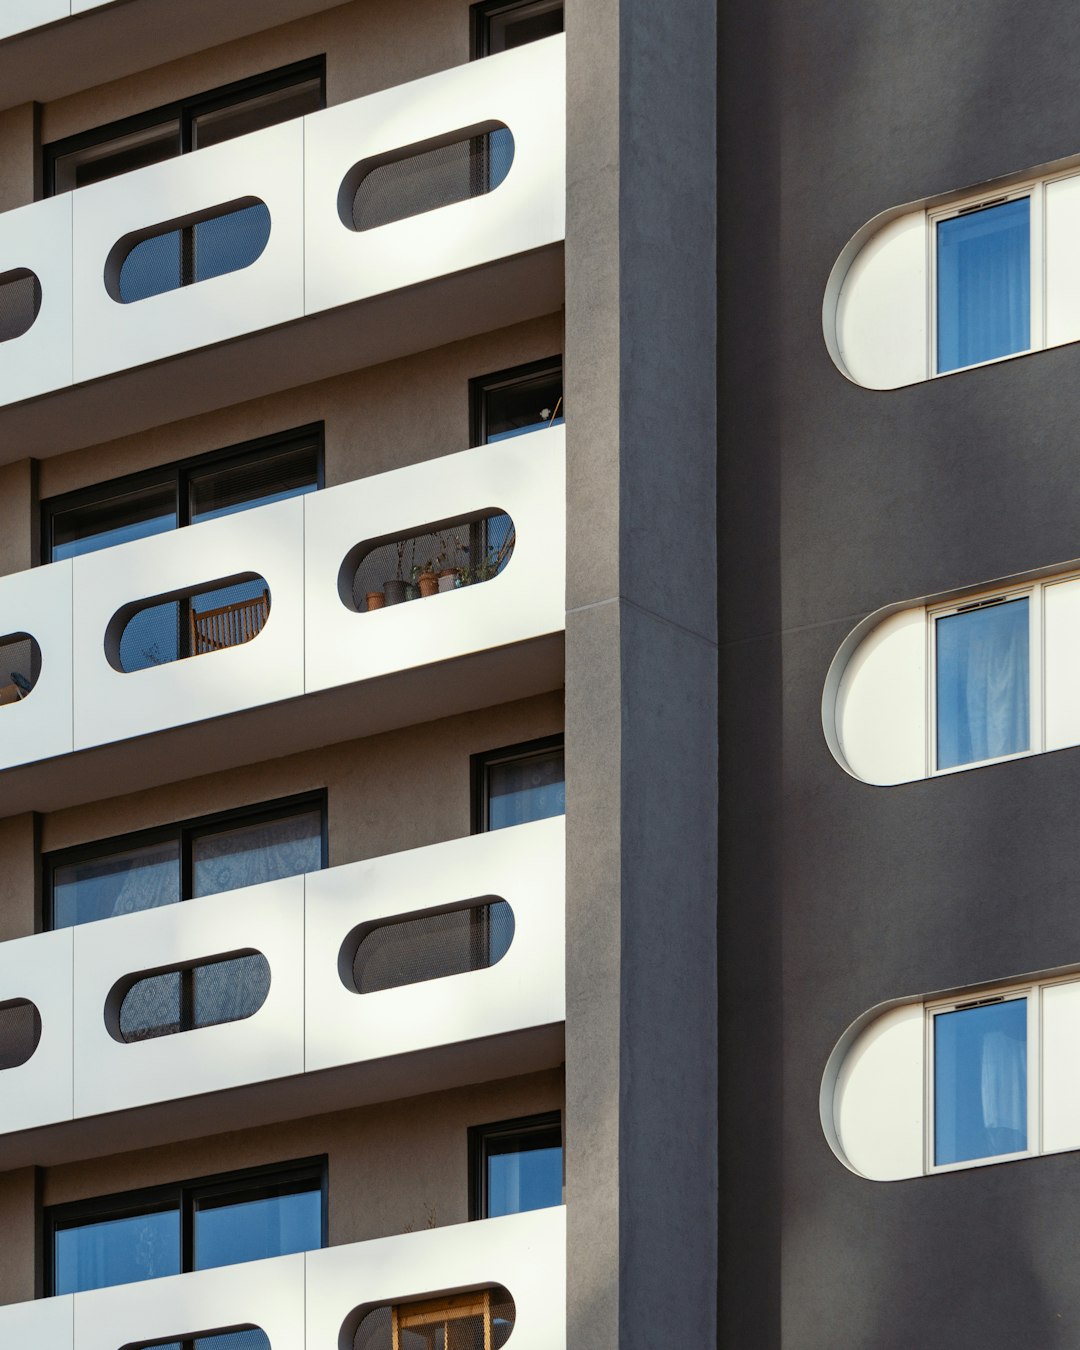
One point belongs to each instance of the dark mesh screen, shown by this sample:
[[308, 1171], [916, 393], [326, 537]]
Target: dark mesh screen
[[480, 1320], [206, 621], [433, 178], [433, 946], [464, 552], [221, 242], [20, 666], [201, 996], [20, 301], [20, 1031], [241, 1338]]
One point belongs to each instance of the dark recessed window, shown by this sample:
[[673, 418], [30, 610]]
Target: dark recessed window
[[498, 25], [511, 402], [170, 1230], [180, 862], [515, 1165], [518, 783]]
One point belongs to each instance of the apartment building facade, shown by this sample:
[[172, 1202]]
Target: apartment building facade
[[358, 675]]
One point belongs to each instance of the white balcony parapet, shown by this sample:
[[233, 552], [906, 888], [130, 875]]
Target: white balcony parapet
[[311, 1020], [312, 641], [307, 1301], [314, 261], [17, 16]]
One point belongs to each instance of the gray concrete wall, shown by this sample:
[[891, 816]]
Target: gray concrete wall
[[641, 676]]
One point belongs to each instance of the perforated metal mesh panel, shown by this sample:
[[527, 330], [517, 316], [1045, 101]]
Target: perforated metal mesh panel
[[211, 247], [20, 303], [207, 621], [470, 551], [433, 946], [240, 1338], [480, 1320], [438, 177], [20, 1032], [201, 996]]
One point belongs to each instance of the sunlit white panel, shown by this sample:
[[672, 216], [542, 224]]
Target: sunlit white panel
[[38, 602], [880, 710], [111, 336], [1060, 1068], [881, 311], [38, 238], [523, 89], [265, 1294], [525, 1253], [877, 1105], [47, 1324], [111, 705], [1062, 261], [111, 1075], [18, 15], [523, 477], [523, 865], [1061, 639], [38, 1092]]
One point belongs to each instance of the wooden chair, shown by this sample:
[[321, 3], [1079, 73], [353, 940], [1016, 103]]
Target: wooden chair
[[426, 1319], [212, 630]]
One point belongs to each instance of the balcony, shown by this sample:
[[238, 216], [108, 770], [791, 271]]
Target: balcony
[[317, 1301], [302, 642], [410, 973], [374, 242]]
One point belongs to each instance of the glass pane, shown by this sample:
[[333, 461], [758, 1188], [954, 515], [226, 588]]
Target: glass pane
[[117, 1251], [980, 1082], [248, 854], [524, 1172], [229, 991], [254, 481], [525, 23], [530, 788], [230, 242], [523, 406], [984, 284], [151, 637], [119, 154], [115, 520], [134, 879], [153, 1007], [230, 1231], [153, 267], [982, 684], [266, 110]]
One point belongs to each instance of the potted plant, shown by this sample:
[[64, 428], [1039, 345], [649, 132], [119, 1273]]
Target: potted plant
[[426, 580], [375, 600]]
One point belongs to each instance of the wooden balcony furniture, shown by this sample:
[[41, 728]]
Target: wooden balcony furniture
[[212, 630]]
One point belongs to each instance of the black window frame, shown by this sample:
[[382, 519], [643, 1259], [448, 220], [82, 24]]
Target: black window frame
[[480, 1135], [184, 111], [180, 472], [183, 1196], [482, 13], [480, 765], [184, 832], [481, 385]]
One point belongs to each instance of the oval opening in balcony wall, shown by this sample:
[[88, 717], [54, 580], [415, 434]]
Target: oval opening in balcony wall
[[245, 1337], [438, 558], [206, 993], [20, 303], [429, 946], [211, 617], [20, 667], [415, 179], [183, 252], [479, 1318], [20, 1032]]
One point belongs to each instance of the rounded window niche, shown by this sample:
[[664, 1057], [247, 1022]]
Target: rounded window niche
[[411, 181], [478, 1319], [246, 1337], [197, 621], [20, 303], [207, 993], [20, 1032], [20, 667]]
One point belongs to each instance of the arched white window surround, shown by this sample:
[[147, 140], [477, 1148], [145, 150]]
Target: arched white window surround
[[878, 314], [878, 706], [877, 1103]]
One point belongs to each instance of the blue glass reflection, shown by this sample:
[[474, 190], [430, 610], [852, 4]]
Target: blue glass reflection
[[521, 1181], [152, 267], [980, 1082], [526, 789], [983, 699], [984, 284], [134, 879], [117, 1251], [254, 1229], [231, 242], [500, 156], [118, 534]]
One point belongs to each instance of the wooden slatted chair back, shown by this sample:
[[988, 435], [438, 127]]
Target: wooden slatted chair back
[[212, 630]]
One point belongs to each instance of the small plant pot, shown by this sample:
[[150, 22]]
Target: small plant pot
[[394, 591], [412, 591], [428, 583], [448, 579], [375, 600]]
